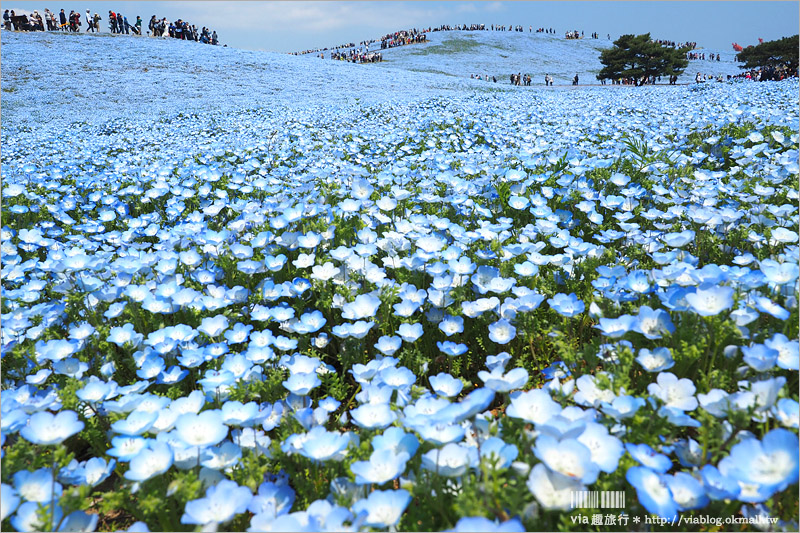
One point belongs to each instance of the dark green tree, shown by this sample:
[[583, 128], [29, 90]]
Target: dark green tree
[[637, 57], [780, 53]]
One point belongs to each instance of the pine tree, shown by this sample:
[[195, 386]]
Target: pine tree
[[637, 57]]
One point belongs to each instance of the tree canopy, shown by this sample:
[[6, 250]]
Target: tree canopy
[[636, 56], [783, 52]]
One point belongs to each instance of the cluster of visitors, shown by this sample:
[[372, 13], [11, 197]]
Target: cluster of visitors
[[573, 35], [484, 77], [548, 80], [769, 73], [701, 56], [355, 56], [546, 30], [117, 23], [521, 79], [402, 38], [180, 29], [673, 44], [595, 35]]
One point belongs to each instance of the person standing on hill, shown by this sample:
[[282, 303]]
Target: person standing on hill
[[575, 80], [97, 20], [112, 21], [89, 22]]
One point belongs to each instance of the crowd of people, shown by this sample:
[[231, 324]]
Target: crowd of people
[[521, 79], [355, 56], [574, 34], [701, 56], [769, 73], [546, 30], [117, 24], [673, 44]]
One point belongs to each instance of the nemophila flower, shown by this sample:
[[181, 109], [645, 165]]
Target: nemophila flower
[[437, 432], [710, 300], [498, 451], [760, 357], [383, 465], [9, 501], [301, 383], [55, 350], [451, 325], [37, 486], [138, 422], [384, 508], [373, 415], [478, 523], [657, 360], [238, 414], [763, 467], [502, 332], [590, 394], [677, 417], [499, 382], [452, 349], [674, 392], [45, 428], [623, 407], [617, 327], [717, 486], [213, 326], [648, 457], [765, 305], [204, 429], [567, 457], [446, 385], [653, 323], [388, 345], [566, 305], [552, 490], [396, 439], [28, 517], [788, 351], [322, 445], [534, 406], [652, 491], [364, 306], [687, 492], [606, 450], [787, 411], [397, 378], [153, 460], [221, 503], [452, 460], [410, 332], [273, 499]]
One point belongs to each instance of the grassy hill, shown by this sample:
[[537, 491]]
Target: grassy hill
[[461, 53]]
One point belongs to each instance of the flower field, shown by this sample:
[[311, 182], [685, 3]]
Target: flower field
[[409, 306]]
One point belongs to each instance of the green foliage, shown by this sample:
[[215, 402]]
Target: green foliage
[[636, 56], [778, 53]]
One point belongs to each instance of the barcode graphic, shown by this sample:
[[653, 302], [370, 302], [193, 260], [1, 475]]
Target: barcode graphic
[[597, 499]]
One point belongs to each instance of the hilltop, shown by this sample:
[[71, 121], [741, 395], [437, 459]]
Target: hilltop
[[461, 53]]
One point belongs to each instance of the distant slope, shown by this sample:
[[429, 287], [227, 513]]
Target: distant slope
[[461, 53]]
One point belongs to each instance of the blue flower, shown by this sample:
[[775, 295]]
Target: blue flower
[[477, 524], [496, 449], [566, 305], [383, 508], [567, 457], [151, 461], [221, 504], [652, 491], [205, 429], [502, 332], [322, 445], [499, 382], [770, 465], [648, 457], [383, 465], [37, 486], [9, 501], [45, 428], [373, 415], [446, 385], [710, 300]]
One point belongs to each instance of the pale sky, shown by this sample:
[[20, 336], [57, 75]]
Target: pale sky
[[292, 26]]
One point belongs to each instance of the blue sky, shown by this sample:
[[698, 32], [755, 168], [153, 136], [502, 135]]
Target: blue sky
[[291, 26]]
